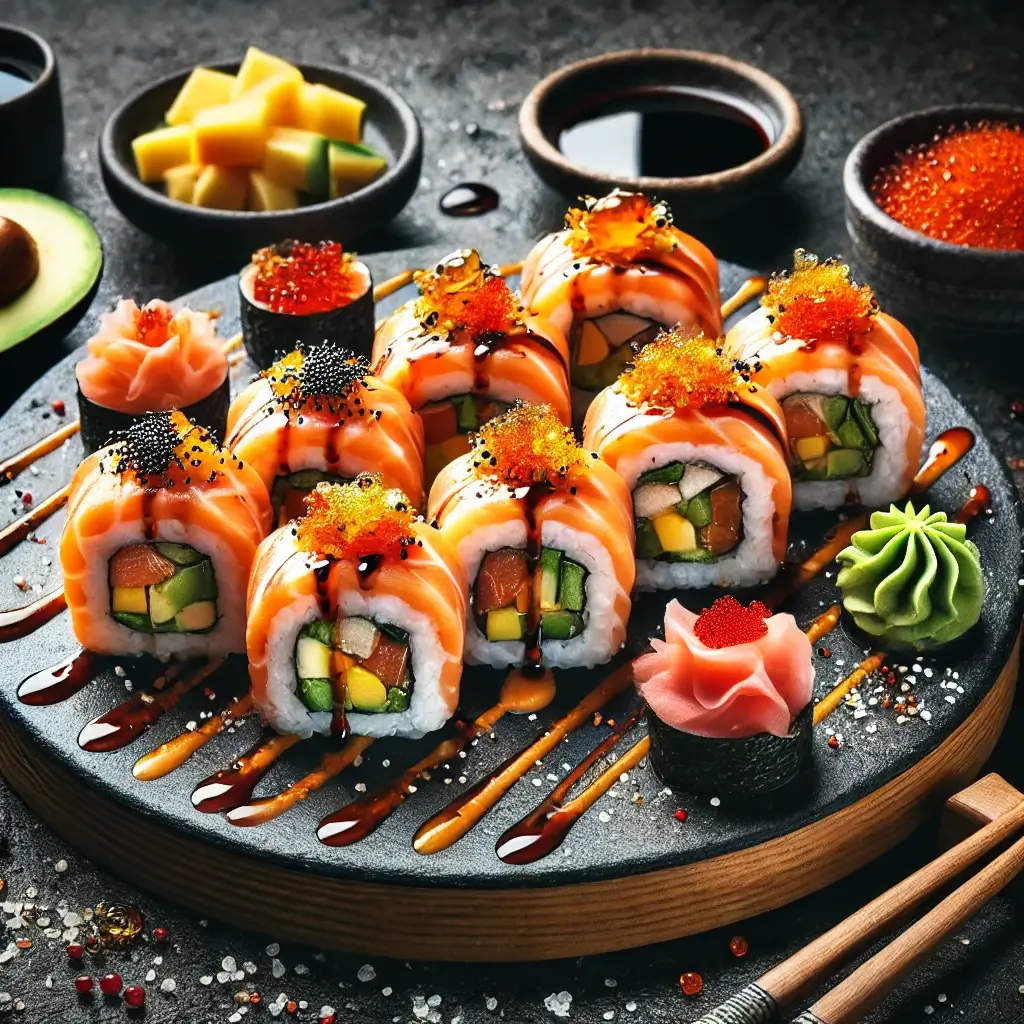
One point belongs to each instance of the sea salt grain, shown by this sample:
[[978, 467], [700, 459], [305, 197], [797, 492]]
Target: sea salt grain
[[61, 866], [277, 968], [206, 979], [610, 982], [491, 1003], [558, 1003], [631, 1006], [151, 975], [168, 985], [366, 973], [273, 949]]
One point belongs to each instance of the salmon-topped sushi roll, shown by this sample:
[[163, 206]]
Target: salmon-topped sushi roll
[[544, 531], [356, 617], [161, 531], [617, 274], [849, 380], [702, 450], [465, 351], [318, 415]]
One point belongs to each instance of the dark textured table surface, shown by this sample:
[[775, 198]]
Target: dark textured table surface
[[850, 65]]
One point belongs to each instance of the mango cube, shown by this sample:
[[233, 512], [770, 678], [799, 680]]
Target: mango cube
[[257, 65], [353, 165], [808, 448], [330, 112], [204, 88], [129, 599], [265, 194], [281, 93], [158, 151], [231, 135], [674, 532], [593, 345], [298, 160], [222, 188], [181, 182]]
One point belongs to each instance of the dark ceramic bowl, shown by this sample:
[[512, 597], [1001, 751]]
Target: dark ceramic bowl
[[390, 126], [955, 290], [579, 90], [32, 122]]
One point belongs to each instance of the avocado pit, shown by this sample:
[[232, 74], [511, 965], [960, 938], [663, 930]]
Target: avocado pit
[[19, 260]]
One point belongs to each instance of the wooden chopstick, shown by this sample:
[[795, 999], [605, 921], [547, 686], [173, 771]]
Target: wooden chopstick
[[763, 1001], [867, 986]]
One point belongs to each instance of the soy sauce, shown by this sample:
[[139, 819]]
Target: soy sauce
[[15, 78], [665, 132], [469, 199]]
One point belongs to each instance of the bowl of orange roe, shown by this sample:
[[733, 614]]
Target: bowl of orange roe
[[935, 213]]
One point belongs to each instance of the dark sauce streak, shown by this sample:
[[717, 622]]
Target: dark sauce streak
[[234, 786], [20, 622], [59, 682], [123, 724], [367, 569], [468, 199], [148, 526], [545, 828]]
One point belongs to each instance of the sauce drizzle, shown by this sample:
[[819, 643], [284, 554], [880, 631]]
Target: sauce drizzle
[[59, 682], [234, 786], [18, 623]]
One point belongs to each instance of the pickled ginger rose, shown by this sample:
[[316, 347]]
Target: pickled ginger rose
[[729, 673], [152, 359]]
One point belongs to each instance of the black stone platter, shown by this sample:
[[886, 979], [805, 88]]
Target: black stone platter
[[621, 835]]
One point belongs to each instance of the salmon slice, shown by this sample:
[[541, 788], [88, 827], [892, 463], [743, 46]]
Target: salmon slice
[[503, 575], [139, 565]]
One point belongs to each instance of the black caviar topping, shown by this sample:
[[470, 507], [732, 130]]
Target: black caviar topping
[[329, 369], [148, 446]]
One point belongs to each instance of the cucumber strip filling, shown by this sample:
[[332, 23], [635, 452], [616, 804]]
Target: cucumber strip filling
[[162, 588], [503, 590], [831, 437], [689, 512], [358, 663]]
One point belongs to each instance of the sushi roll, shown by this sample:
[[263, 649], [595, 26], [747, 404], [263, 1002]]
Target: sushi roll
[[728, 696], [849, 380], [319, 416], [305, 292], [702, 451], [544, 531], [465, 351], [618, 274], [356, 617], [151, 359], [161, 530]]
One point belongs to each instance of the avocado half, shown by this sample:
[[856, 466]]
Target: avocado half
[[70, 262]]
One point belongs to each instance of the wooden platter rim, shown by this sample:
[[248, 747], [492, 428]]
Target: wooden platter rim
[[485, 924]]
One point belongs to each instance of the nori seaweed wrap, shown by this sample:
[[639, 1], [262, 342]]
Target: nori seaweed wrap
[[298, 293]]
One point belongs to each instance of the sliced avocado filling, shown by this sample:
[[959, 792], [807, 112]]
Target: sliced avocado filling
[[357, 663], [602, 347], [831, 437], [163, 588], [687, 512], [288, 492], [503, 589]]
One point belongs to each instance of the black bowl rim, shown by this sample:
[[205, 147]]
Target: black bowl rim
[[127, 178], [49, 66], [540, 147], [859, 198]]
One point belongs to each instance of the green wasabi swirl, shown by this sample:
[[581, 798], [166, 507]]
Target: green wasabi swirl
[[913, 578]]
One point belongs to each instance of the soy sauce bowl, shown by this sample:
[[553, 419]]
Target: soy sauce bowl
[[390, 125], [956, 291], [705, 82]]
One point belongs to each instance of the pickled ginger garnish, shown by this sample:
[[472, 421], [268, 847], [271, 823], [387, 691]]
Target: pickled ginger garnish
[[356, 520], [621, 227], [680, 371], [462, 294], [324, 376], [818, 302], [167, 449], [528, 445]]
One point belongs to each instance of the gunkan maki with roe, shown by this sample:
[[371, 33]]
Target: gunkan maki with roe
[[151, 359], [728, 695], [305, 293]]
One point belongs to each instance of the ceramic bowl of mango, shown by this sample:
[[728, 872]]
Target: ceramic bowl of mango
[[390, 126]]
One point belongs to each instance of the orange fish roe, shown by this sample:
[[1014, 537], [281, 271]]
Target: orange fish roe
[[322, 377], [727, 623], [819, 303], [620, 228], [284, 375], [676, 371], [303, 278], [965, 187], [169, 446], [152, 323], [356, 520], [528, 444], [463, 294]]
